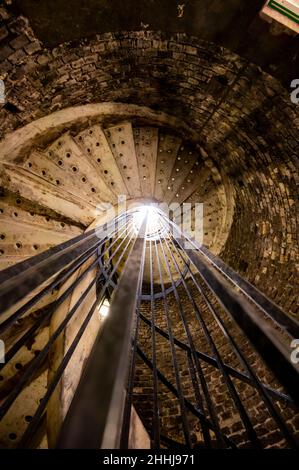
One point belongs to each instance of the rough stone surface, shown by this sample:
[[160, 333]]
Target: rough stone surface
[[226, 411]]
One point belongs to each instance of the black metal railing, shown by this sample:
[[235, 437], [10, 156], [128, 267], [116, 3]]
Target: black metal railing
[[178, 314]]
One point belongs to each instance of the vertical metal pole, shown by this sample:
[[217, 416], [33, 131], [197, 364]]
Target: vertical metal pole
[[174, 358], [263, 393], [203, 422], [124, 438], [38, 416], [231, 388], [95, 415], [210, 404], [156, 411]]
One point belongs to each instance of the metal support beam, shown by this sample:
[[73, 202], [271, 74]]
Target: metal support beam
[[99, 398]]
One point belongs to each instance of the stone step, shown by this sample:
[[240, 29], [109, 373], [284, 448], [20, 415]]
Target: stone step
[[146, 146], [168, 148], [35, 188], [79, 170], [93, 142], [121, 142]]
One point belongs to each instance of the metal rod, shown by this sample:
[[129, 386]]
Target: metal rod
[[99, 398], [39, 413], [231, 370], [196, 412], [37, 361], [38, 416], [286, 322], [43, 319], [231, 388], [156, 411], [173, 355], [199, 401], [269, 308], [19, 280], [124, 438], [199, 370], [201, 267], [62, 277], [250, 320]]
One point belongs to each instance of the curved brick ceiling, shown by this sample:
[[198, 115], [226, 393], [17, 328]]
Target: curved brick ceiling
[[244, 120], [234, 24]]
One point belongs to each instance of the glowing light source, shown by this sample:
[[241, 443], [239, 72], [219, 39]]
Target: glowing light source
[[104, 309], [155, 223]]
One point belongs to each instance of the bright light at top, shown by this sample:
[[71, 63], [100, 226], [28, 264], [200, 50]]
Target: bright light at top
[[155, 223], [104, 309]]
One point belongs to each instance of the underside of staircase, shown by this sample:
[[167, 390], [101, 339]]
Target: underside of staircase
[[148, 225], [62, 188]]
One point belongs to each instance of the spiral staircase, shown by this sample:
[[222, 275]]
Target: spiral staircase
[[62, 188], [55, 189]]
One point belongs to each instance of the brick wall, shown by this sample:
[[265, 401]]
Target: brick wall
[[246, 121], [226, 411], [247, 125]]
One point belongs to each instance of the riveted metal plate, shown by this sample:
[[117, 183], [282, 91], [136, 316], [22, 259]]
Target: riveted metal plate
[[78, 169], [93, 143], [121, 142], [168, 148], [146, 146]]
